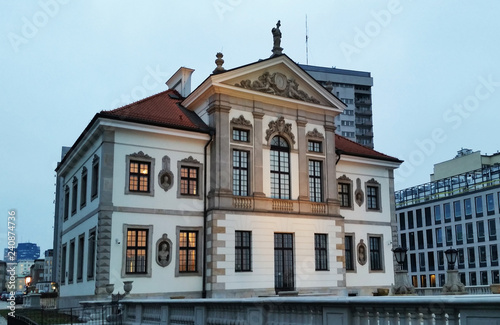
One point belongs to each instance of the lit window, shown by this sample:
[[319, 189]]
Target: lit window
[[188, 251], [189, 180], [137, 247], [139, 176]]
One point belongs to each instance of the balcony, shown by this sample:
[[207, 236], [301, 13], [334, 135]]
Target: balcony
[[262, 204]]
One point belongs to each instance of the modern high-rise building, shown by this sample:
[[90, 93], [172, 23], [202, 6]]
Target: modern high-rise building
[[459, 209], [354, 89], [27, 251]]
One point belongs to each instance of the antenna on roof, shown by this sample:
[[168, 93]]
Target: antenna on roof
[[307, 44]]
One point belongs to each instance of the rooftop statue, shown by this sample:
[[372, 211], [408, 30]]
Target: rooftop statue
[[277, 39]]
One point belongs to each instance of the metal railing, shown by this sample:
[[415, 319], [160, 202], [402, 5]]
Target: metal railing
[[96, 314]]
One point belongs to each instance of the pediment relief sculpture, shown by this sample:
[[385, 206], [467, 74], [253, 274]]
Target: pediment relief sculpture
[[281, 127], [315, 134], [241, 121], [277, 84]]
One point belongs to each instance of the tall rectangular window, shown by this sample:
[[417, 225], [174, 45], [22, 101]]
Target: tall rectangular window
[[439, 237], [321, 252], [83, 189], [64, 253], [494, 255], [315, 191], [376, 253], [402, 221], [471, 257], [240, 173], [413, 263], [66, 203], [421, 259], [492, 229], [188, 251], [469, 230], [459, 237], [418, 213], [478, 200], [410, 220], [457, 210], [280, 168], [139, 175], [411, 238], [437, 214], [372, 198], [71, 266], [490, 204], [428, 234], [430, 258], [189, 180], [449, 236], [420, 238], [468, 208], [79, 267], [95, 179], [482, 255], [428, 217], [480, 231], [484, 277], [447, 212], [461, 258], [91, 254], [440, 257], [344, 194], [74, 193], [349, 252], [137, 247], [243, 251]]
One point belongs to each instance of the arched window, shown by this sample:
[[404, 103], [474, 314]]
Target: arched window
[[280, 168]]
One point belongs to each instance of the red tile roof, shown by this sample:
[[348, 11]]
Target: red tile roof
[[162, 109], [348, 147]]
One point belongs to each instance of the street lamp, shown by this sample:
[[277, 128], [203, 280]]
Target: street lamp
[[453, 286], [402, 284], [451, 256]]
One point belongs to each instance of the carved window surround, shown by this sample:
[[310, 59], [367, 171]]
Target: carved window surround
[[240, 123], [141, 157], [281, 128]]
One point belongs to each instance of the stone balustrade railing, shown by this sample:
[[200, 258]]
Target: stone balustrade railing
[[325, 310]]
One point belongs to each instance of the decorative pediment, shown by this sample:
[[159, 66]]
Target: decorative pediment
[[190, 160], [281, 127], [140, 154], [277, 83], [344, 178], [315, 134], [372, 181], [241, 121]]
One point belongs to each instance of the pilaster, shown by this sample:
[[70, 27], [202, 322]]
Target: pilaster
[[258, 186], [303, 166]]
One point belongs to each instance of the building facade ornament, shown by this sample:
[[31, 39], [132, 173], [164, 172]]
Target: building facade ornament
[[359, 195], [241, 121], [219, 62], [315, 134], [277, 84], [281, 127], [362, 250], [277, 49], [163, 251], [165, 176], [190, 160], [140, 154]]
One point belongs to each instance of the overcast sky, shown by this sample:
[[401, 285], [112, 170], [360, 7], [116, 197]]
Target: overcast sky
[[434, 64]]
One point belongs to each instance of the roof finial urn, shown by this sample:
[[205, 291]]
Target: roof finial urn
[[219, 61], [277, 49]]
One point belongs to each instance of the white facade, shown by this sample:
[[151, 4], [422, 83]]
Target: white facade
[[186, 222]]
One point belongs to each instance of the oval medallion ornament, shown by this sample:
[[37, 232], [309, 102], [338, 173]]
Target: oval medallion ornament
[[280, 81]]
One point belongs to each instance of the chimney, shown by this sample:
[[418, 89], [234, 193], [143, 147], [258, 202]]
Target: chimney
[[181, 81]]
